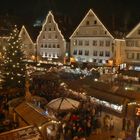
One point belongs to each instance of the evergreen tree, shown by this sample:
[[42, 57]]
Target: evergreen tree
[[14, 65]]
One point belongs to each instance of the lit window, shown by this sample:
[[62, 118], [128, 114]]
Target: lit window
[[75, 42]]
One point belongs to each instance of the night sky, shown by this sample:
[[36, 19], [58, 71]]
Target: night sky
[[123, 11]]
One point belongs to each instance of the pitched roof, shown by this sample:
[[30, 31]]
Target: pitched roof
[[90, 12], [29, 132], [32, 115], [133, 30]]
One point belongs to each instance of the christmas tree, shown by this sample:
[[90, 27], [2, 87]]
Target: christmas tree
[[14, 65]]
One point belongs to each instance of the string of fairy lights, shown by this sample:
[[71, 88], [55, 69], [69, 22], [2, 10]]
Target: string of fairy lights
[[13, 58]]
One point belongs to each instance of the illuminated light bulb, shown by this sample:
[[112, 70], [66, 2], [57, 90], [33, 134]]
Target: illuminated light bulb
[[12, 78]]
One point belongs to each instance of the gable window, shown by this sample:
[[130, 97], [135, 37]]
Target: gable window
[[87, 22], [101, 53], [101, 43], [139, 31], [86, 52], [86, 43], [80, 42], [95, 21], [49, 28], [94, 53], [75, 52], [107, 53], [80, 52], [75, 42], [56, 37], [94, 42]]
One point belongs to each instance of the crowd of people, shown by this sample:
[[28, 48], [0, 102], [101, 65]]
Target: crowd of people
[[79, 124]]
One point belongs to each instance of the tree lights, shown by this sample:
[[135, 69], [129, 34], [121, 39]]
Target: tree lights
[[14, 67]]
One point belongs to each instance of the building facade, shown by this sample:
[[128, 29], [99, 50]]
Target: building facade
[[91, 41], [132, 48], [29, 46], [50, 41]]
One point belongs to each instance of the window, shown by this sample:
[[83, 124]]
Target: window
[[86, 52], [41, 45], [49, 46], [43, 36], [100, 61], [80, 52], [94, 53], [45, 29], [138, 56], [107, 43], [86, 43], [107, 53], [94, 42], [101, 43], [58, 46], [95, 21], [56, 37], [75, 42], [87, 22], [80, 42], [139, 31], [53, 45], [75, 52], [45, 45], [54, 28], [49, 28], [94, 60], [101, 53], [130, 55]]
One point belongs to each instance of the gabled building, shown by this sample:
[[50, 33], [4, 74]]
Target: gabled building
[[51, 43], [132, 48], [91, 41], [29, 46]]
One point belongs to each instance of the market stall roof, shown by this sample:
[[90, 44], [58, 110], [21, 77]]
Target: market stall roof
[[32, 114], [29, 132], [104, 96]]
